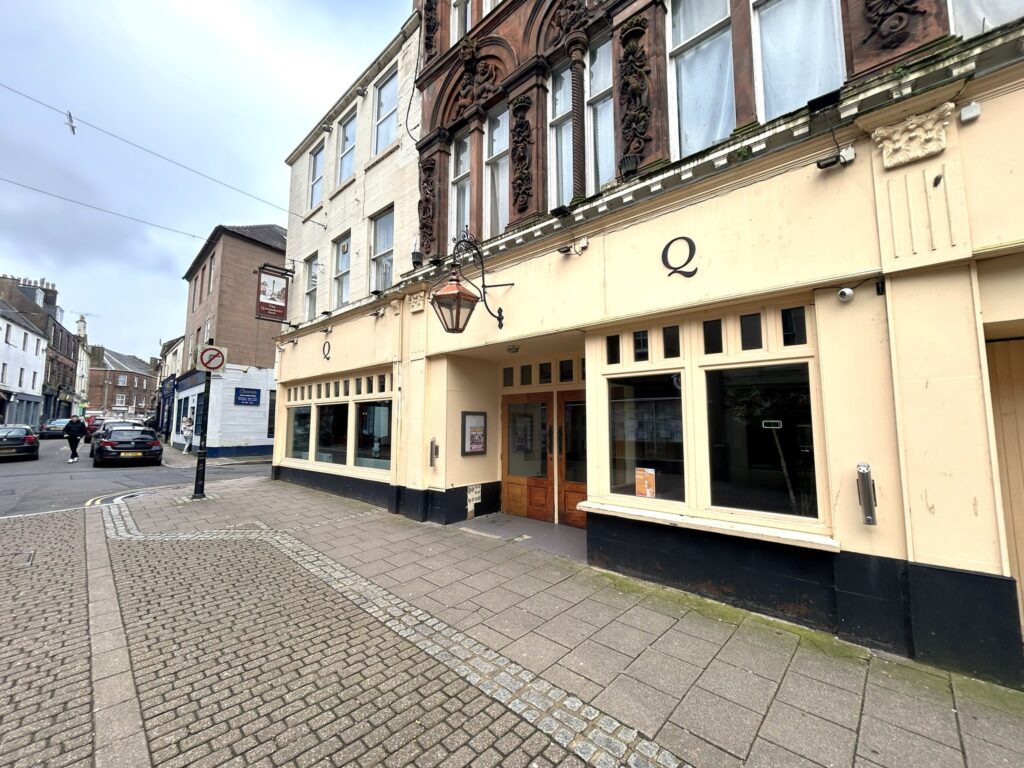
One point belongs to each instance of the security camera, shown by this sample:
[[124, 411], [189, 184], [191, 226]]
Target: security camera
[[845, 295]]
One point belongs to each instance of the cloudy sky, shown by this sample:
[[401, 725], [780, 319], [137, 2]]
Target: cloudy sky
[[228, 87]]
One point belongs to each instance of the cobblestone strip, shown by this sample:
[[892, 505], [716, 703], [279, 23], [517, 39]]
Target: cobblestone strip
[[119, 737], [595, 737]]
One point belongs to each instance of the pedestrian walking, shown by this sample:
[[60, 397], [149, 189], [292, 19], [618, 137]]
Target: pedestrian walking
[[74, 431], [186, 432]]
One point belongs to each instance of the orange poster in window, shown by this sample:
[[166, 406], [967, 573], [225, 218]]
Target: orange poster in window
[[645, 482]]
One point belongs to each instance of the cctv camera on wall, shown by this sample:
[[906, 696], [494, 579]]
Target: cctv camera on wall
[[845, 295]]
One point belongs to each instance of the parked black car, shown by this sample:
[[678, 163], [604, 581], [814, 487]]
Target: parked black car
[[107, 426], [120, 445], [18, 440], [92, 427], [53, 428]]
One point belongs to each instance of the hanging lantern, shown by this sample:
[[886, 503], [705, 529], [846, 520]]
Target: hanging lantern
[[454, 302]]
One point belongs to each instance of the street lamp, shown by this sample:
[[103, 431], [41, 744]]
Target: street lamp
[[454, 302]]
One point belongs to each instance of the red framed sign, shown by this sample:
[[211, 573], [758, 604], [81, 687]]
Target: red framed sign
[[272, 294]]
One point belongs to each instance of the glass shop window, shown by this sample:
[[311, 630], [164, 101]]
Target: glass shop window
[[373, 434], [544, 373], [641, 352], [760, 439], [564, 371], [332, 433], [750, 331], [646, 436], [794, 327], [525, 375], [712, 337], [507, 375], [612, 346], [670, 340], [382, 381], [298, 432]]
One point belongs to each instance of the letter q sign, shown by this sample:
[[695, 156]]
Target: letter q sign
[[682, 268]]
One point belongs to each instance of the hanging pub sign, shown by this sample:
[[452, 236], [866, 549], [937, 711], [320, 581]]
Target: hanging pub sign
[[272, 294]]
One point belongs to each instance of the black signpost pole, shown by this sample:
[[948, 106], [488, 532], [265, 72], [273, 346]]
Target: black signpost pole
[[200, 487]]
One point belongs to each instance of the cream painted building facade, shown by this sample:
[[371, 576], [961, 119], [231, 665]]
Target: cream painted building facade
[[695, 361]]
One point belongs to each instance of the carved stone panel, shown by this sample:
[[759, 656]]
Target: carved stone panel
[[427, 206], [417, 302], [521, 153], [915, 138], [479, 78], [879, 31], [634, 95], [430, 27]]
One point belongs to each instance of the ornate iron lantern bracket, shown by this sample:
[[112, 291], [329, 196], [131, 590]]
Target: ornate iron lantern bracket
[[453, 302]]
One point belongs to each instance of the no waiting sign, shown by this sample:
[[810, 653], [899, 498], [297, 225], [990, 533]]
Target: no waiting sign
[[211, 358]]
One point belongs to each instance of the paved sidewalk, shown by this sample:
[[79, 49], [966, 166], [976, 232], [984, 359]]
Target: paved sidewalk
[[173, 457], [277, 625]]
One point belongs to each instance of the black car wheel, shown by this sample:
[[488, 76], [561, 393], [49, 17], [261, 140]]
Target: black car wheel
[[96, 462]]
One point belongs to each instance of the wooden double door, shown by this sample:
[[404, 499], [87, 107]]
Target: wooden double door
[[544, 456]]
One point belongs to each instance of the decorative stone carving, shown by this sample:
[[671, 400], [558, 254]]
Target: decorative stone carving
[[572, 16], [479, 78], [396, 306], [430, 27], [890, 20], [520, 152], [634, 94], [428, 203], [917, 137], [417, 302]]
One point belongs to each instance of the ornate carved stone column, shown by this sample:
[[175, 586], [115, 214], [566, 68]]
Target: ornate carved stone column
[[476, 175], [527, 89], [641, 86], [577, 62], [571, 20], [433, 205]]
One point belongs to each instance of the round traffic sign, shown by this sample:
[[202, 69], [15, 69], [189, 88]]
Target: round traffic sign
[[212, 358]]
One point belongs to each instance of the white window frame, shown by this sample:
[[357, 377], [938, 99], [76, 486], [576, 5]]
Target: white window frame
[[674, 123], [209, 285], [554, 123], [490, 5], [122, 379], [457, 6], [490, 163], [388, 254], [346, 151], [952, 22], [206, 334], [340, 299], [120, 400], [456, 180], [309, 302], [755, 44], [590, 101], [379, 119], [318, 150]]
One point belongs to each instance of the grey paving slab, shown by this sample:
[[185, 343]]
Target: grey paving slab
[[544, 605], [922, 716], [764, 754], [892, 747], [624, 638], [738, 685], [983, 754], [701, 753], [726, 725], [835, 704], [594, 612], [514, 622], [566, 630], [535, 652], [809, 736], [841, 671], [595, 662], [664, 672], [687, 648], [642, 706]]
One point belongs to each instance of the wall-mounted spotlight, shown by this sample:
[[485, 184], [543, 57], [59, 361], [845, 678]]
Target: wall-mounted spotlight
[[417, 259], [326, 127], [293, 326], [327, 329], [377, 293], [840, 159], [378, 313], [561, 212], [577, 247], [360, 91]]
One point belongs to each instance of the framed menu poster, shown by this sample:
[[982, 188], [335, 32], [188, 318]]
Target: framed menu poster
[[474, 433]]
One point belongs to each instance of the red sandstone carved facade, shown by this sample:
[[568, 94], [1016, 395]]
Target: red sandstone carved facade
[[509, 54]]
